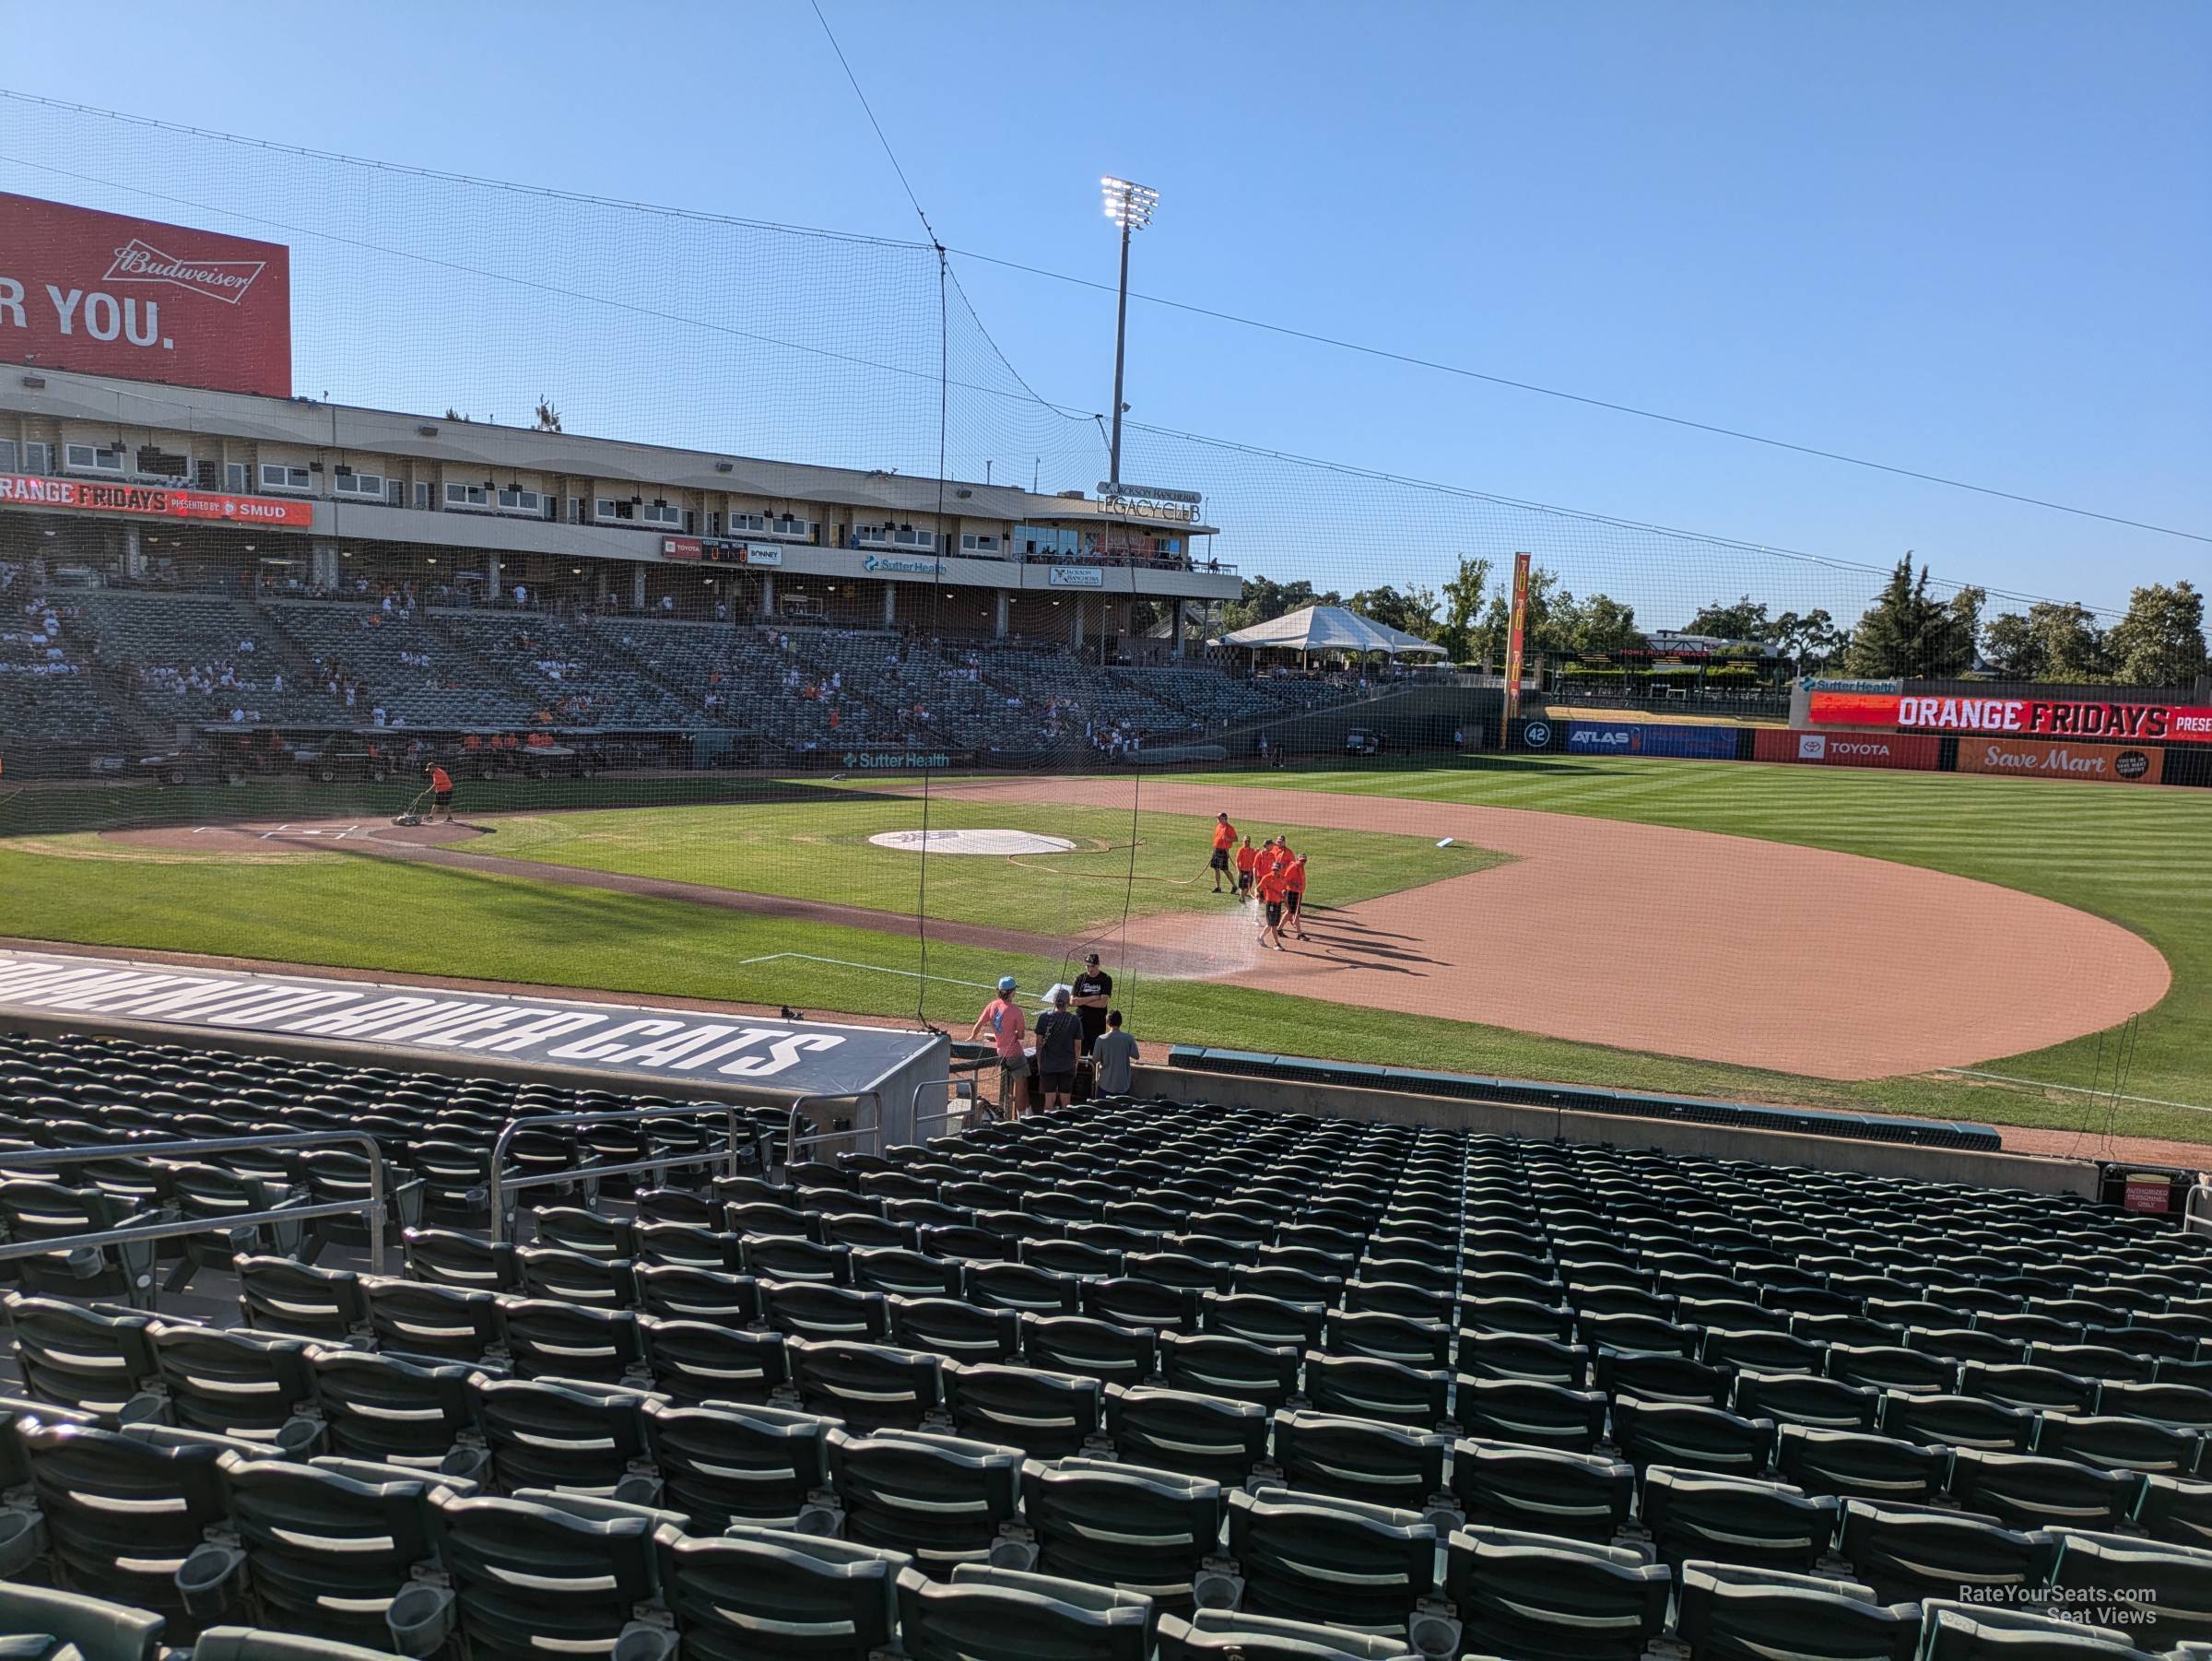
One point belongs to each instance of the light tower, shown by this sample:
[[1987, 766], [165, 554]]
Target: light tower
[[1130, 206]]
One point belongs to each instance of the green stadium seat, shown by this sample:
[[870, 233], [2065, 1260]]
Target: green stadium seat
[[1541, 1490], [1855, 1464], [772, 1595], [1695, 1514], [1319, 1558], [1908, 1552], [726, 1464], [1727, 1613], [983, 1614], [1046, 1415], [1539, 1598]]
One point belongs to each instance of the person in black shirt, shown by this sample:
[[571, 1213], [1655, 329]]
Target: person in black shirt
[[1094, 992]]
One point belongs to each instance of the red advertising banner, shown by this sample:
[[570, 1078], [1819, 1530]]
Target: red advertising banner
[[2043, 717], [106, 294], [1919, 751], [1516, 647], [151, 502], [2063, 759]]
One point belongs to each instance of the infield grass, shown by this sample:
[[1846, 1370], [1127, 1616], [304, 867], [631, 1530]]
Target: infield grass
[[2138, 857]]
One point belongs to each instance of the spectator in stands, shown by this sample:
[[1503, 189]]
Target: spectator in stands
[[1008, 1028], [1093, 991], [1059, 1041], [1113, 1056], [1225, 838]]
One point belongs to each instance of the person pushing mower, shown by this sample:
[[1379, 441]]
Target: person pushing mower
[[441, 792]]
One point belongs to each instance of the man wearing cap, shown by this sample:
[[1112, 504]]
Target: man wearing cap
[[1008, 1027], [1093, 992], [1059, 1036]]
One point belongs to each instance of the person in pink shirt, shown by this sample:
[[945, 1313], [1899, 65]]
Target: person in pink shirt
[[1008, 1028]]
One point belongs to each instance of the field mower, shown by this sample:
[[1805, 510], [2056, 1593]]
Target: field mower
[[414, 813]]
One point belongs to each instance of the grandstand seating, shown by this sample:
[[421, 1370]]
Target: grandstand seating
[[173, 650], [418, 675], [999, 1429]]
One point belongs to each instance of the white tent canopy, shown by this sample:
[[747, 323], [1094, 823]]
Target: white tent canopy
[[1328, 628]]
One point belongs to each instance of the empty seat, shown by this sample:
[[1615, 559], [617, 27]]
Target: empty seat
[[435, 1322], [985, 1614], [1892, 1366], [1688, 1437], [813, 1309], [1046, 1415], [1855, 1464], [694, 1362], [1951, 1632], [1215, 1364], [1547, 1598], [546, 1338], [2160, 1594], [2176, 1511], [870, 1387], [1400, 1338], [1524, 1356], [1207, 1436], [577, 1277], [1136, 1528], [1959, 1421], [897, 1271], [2032, 1389], [2021, 1490], [1505, 1409], [1100, 1349], [1805, 1399], [1360, 1459], [1656, 1377], [1368, 1387], [447, 1257], [80, 1358], [1909, 1552], [942, 1500], [1735, 1520], [1725, 1613], [571, 1437], [739, 1463], [951, 1327], [328, 1554], [1262, 1320], [2112, 1442], [1541, 1490], [772, 1595], [1232, 1635], [1314, 1557], [78, 1628], [524, 1570], [277, 1294], [391, 1411]]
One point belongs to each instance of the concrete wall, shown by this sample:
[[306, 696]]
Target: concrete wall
[[1914, 1162], [1421, 718]]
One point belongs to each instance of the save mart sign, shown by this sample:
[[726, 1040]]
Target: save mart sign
[[2033, 717]]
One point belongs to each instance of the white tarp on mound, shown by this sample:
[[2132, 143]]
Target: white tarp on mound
[[971, 842], [1329, 629]]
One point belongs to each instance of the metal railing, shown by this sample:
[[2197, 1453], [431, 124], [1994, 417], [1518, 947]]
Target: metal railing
[[792, 1141], [196, 1153], [2197, 1209], [959, 1064], [499, 1185]]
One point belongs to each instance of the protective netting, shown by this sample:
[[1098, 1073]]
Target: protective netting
[[652, 746]]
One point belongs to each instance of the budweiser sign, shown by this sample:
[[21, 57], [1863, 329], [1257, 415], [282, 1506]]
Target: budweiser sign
[[96, 293], [227, 280]]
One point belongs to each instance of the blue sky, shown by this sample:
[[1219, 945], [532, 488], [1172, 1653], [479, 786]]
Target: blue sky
[[1969, 240]]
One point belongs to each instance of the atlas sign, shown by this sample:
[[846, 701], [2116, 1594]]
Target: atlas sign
[[106, 294]]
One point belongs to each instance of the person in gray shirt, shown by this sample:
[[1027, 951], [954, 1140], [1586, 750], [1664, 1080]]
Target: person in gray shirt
[[1112, 1056], [1059, 1041]]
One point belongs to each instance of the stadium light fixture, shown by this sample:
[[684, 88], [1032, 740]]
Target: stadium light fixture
[[1130, 206]]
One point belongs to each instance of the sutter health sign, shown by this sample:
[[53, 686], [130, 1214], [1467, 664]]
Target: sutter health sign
[[2058, 758]]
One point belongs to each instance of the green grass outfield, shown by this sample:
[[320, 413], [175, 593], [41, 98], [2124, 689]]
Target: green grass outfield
[[819, 850], [2136, 855]]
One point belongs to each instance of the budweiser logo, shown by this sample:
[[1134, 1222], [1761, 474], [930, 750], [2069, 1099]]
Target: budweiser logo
[[227, 280]]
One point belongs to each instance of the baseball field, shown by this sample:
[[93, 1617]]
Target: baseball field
[[2026, 952]]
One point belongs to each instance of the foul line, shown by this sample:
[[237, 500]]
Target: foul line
[[2077, 1089], [805, 956]]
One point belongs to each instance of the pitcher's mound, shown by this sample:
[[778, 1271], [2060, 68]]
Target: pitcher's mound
[[993, 843]]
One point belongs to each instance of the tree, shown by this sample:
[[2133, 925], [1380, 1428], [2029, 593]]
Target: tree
[[1598, 626], [2051, 641], [2161, 641], [1807, 640], [549, 417], [1263, 601], [1909, 633], [1496, 627], [1413, 612], [1745, 620], [1462, 604]]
